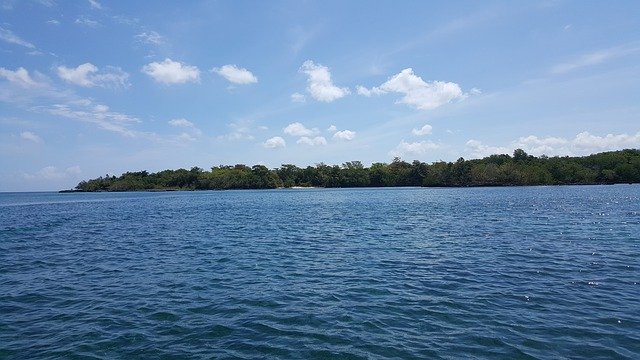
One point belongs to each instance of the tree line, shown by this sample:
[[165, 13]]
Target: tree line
[[495, 170]]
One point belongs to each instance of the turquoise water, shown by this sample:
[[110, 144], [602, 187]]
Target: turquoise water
[[531, 272]]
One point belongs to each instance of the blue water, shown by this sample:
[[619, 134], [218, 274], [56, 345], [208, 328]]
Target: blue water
[[514, 273]]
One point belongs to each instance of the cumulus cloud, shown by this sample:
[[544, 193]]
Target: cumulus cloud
[[320, 85], [347, 135], [425, 130], [297, 129], [150, 37], [298, 98], [29, 136], [585, 140], [417, 93], [88, 75], [361, 90], [538, 146], [235, 74], [7, 35], [414, 148], [332, 129], [316, 141], [275, 143], [172, 72], [477, 149], [19, 77], [582, 144]]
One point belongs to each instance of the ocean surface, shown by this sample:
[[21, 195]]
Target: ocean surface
[[404, 273]]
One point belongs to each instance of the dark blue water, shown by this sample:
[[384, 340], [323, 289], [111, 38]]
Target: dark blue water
[[528, 272]]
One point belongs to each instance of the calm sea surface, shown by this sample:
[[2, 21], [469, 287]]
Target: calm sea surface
[[514, 273]]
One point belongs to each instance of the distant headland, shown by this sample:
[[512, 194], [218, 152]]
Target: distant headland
[[496, 170]]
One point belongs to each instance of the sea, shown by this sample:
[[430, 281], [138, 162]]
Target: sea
[[376, 273]]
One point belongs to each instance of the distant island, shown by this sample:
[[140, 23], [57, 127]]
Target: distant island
[[495, 170]]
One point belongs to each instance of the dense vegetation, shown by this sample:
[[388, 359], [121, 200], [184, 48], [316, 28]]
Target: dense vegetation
[[495, 170]]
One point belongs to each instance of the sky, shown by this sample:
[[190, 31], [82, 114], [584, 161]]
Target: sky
[[95, 87]]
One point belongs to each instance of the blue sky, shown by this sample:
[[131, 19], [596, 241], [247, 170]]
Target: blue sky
[[95, 87]]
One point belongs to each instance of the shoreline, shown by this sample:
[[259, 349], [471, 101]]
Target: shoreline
[[67, 191]]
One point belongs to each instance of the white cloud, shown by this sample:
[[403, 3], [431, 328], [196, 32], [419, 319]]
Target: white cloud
[[298, 98], [361, 90], [38, 95], [594, 58], [347, 135], [180, 122], [79, 75], [316, 141], [28, 135], [414, 148], [368, 92], [186, 137], [85, 21], [8, 36], [235, 74], [193, 131], [332, 128], [19, 77], [101, 108], [425, 130], [538, 146], [478, 149], [172, 72], [47, 3], [320, 85], [88, 75], [586, 141], [95, 4], [297, 129], [275, 143], [84, 110], [240, 130], [53, 22], [417, 92], [111, 77], [583, 143], [150, 37]]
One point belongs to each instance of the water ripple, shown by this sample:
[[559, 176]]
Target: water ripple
[[527, 273]]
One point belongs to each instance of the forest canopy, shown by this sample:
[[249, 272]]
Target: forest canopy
[[495, 170]]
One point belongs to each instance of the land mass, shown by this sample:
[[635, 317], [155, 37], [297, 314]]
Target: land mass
[[496, 170]]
